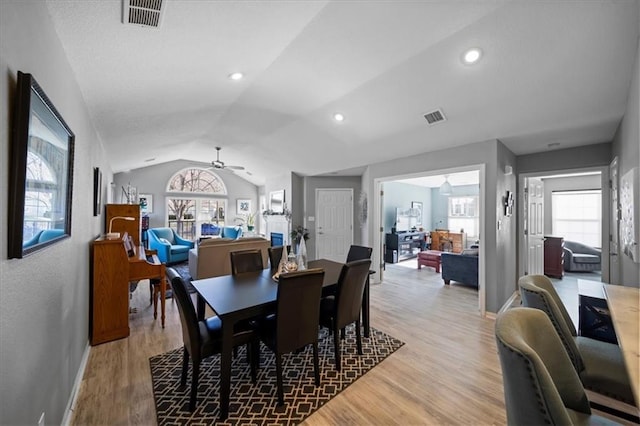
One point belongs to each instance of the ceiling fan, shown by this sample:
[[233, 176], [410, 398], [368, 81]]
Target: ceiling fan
[[219, 165]]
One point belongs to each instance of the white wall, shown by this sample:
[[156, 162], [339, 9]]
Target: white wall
[[44, 298]]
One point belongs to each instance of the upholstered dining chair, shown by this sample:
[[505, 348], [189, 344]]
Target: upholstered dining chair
[[339, 310], [246, 261], [599, 364], [540, 384], [203, 339], [295, 323], [275, 254], [358, 253]]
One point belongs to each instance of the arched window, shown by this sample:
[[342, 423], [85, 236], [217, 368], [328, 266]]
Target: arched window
[[196, 203], [40, 195]]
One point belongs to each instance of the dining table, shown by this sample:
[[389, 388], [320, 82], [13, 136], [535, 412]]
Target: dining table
[[234, 298], [624, 305]]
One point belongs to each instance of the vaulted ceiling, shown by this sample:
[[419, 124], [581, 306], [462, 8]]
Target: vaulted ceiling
[[551, 73]]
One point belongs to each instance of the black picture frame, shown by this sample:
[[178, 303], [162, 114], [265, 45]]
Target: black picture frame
[[97, 191], [40, 174], [508, 204]]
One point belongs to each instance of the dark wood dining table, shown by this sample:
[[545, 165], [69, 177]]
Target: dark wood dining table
[[237, 297]]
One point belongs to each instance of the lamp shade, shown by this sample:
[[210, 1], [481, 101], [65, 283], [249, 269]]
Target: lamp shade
[[445, 188]]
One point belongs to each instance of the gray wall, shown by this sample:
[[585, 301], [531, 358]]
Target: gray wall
[[626, 146], [44, 298], [154, 180]]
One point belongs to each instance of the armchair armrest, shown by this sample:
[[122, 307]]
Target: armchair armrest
[[163, 249]]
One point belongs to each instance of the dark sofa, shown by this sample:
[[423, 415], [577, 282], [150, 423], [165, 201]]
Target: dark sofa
[[462, 267], [581, 257]]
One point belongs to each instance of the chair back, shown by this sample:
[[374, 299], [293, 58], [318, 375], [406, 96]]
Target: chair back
[[275, 254], [351, 284], [246, 261], [358, 253], [166, 233], [539, 381], [298, 309], [537, 291], [188, 318]]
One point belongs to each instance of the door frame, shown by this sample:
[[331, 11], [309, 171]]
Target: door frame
[[604, 225], [378, 261]]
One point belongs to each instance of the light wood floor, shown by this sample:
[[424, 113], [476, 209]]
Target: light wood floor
[[448, 372]]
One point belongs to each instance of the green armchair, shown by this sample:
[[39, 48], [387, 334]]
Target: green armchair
[[170, 246]]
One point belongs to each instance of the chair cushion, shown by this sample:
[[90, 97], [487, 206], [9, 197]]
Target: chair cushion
[[180, 249], [165, 233], [585, 258]]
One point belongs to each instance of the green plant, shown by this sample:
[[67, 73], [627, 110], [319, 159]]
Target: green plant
[[251, 219]]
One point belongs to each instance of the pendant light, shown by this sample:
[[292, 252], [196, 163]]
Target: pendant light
[[445, 188]]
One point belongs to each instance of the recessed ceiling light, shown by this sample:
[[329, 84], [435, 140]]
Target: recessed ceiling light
[[236, 76], [472, 56], [338, 117]]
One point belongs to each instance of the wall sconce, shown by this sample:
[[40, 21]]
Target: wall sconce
[[508, 204], [116, 235]]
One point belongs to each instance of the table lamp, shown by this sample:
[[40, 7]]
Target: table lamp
[[116, 235]]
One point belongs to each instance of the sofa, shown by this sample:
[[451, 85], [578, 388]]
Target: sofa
[[581, 257], [460, 267], [170, 246], [212, 257]]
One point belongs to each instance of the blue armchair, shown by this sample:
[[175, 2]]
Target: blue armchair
[[170, 247], [234, 232], [42, 237]]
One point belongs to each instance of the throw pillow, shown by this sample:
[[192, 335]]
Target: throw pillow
[[164, 241]]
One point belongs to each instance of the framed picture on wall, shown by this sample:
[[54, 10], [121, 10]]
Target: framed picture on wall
[[418, 206], [97, 191], [243, 206], [146, 203]]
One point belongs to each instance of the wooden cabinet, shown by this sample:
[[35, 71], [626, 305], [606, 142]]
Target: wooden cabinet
[[109, 293], [122, 225], [448, 241], [403, 245], [554, 257]]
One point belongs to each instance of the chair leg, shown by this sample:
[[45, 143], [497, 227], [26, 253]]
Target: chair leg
[[279, 378], [253, 357], [151, 292], [336, 347], [358, 337], [316, 363], [185, 367], [194, 386]]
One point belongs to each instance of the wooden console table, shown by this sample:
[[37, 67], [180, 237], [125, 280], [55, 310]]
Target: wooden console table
[[624, 304]]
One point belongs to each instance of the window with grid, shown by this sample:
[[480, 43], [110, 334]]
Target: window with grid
[[576, 216], [464, 214]]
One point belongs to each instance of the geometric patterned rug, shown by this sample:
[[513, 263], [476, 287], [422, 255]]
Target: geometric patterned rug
[[257, 404]]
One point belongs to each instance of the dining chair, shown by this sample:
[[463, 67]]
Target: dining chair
[[540, 384], [599, 364], [246, 261], [203, 339], [358, 253], [339, 310], [295, 323], [275, 255]]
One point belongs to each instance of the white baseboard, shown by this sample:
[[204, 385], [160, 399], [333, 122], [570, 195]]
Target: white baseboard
[[71, 404]]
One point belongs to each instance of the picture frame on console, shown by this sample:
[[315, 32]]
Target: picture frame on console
[[41, 172]]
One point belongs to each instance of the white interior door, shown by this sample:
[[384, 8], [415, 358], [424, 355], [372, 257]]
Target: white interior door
[[334, 223], [614, 225], [534, 225]]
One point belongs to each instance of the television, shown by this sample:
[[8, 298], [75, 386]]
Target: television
[[406, 219]]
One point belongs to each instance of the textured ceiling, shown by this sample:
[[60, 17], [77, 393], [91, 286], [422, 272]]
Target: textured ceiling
[[552, 71]]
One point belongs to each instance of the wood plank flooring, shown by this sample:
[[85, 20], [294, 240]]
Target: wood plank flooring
[[447, 373]]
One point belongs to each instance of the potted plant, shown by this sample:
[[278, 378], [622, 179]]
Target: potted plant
[[251, 221]]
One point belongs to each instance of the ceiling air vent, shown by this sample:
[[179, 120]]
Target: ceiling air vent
[[435, 117], [146, 13]]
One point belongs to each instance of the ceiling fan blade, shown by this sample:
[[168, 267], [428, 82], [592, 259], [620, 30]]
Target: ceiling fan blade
[[234, 167]]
